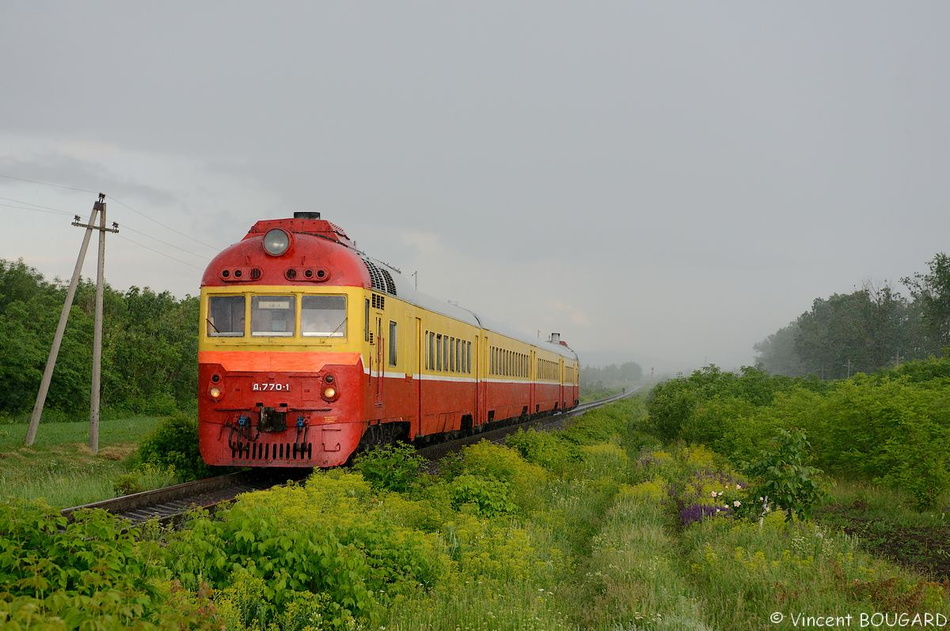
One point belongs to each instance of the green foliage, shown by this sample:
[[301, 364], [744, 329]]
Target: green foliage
[[330, 537], [149, 351], [782, 476], [893, 427], [546, 449], [710, 406], [174, 445], [390, 467], [932, 291], [92, 572], [613, 422], [488, 496], [495, 462], [867, 330], [242, 609]]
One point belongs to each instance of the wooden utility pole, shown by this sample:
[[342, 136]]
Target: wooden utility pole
[[98, 207]]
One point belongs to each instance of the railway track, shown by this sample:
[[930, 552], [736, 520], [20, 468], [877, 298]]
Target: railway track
[[167, 503]]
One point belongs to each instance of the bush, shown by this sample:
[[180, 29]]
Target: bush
[[390, 467], [782, 476], [174, 444], [545, 449], [489, 496], [89, 573], [331, 537]]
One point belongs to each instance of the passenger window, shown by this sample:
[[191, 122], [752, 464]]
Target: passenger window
[[392, 343], [438, 352], [323, 316], [226, 316], [272, 316]]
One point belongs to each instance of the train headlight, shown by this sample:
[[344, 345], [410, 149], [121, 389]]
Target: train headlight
[[330, 393], [276, 242], [215, 393]]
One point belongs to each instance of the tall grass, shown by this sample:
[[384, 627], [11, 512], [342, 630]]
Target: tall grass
[[59, 466]]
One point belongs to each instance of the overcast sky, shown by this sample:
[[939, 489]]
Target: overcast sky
[[670, 182]]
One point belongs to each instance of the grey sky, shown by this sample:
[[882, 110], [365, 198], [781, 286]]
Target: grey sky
[[668, 181]]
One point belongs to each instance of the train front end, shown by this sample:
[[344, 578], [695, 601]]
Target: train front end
[[280, 357]]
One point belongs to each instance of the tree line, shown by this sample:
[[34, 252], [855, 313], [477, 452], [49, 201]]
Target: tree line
[[864, 331], [149, 347], [608, 379]]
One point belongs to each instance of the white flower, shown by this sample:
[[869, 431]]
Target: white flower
[[737, 503]]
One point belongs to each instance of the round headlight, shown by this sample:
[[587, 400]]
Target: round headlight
[[276, 242], [215, 393]]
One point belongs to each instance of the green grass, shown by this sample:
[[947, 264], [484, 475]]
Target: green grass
[[60, 468], [886, 523]]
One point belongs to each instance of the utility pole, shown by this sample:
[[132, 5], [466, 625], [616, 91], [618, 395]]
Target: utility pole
[[97, 335], [97, 207]]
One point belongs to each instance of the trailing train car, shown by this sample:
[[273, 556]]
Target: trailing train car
[[309, 349]]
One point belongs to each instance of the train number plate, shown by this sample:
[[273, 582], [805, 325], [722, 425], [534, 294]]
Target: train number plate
[[271, 387]]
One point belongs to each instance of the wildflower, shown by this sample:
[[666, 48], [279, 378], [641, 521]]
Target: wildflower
[[738, 487], [737, 503], [713, 494]]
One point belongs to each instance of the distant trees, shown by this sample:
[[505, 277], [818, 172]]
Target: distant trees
[[148, 356], [610, 378], [932, 292], [864, 331]]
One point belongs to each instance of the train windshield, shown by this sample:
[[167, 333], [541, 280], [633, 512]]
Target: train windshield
[[273, 316], [323, 316], [226, 316]]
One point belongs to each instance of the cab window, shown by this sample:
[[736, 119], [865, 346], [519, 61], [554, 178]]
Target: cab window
[[323, 316], [272, 316], [225, 316]]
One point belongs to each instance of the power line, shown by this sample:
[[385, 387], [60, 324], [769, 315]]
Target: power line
[[68, 188], [113, 199], [171, 245], [35, 206], [37, 210], [178, 232], [159, 252]]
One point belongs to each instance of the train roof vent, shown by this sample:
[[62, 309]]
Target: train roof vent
[[381, 278], [390, 283]]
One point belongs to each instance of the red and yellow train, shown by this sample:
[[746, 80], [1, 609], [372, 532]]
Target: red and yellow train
[[310, 349]]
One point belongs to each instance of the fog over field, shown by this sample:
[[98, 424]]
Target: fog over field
[[663, 182]]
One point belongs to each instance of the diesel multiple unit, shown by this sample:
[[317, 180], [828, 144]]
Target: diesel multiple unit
[[309, 349]]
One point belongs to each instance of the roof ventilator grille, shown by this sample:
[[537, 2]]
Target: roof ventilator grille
[[382, 279]]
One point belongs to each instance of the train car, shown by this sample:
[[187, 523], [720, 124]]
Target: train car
[[309, 350]]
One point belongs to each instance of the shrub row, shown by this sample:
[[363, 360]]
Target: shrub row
[[892, 428]]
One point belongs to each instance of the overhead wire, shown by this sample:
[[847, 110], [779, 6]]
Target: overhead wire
[[178, 232], [159, 252], [30, 206], [38, 210], [171, 245], [68, 188], [35, 206]]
